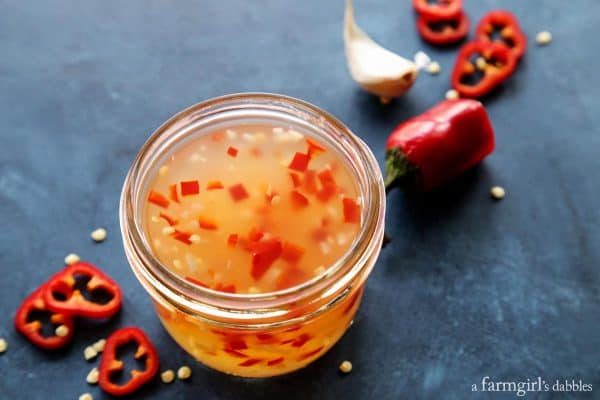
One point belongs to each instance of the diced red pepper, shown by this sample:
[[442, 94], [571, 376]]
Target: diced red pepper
[[62, 296], [196, 282], [235, 353], [275, 361], [158, 199], [310, 353], [207, 223], [230, 288], [183, 237], [173, 193], [214, 185], [319, 234], [299, 162], [301, 340], [328, 185], [310, 181], [296, 181], [32, 328], [170, 220], [298, 199], [110, 364], [291, 252], [264, 255], [250, 362], [314, 148], [351, 210], [232, 151], [232, 239], [238, 192], [266, 337], [255, 235], [291, 277], [189, 188]]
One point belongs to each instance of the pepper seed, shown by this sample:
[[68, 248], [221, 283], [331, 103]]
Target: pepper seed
[[61, 331], [452, 94], [3, 345], [184, 372], [71, 258], [92, 376], [346, 367], [167, 376], [89, 353], [434, 68], [99, 345], [543, 38], [86, 396], [99, 235], [497, 192]]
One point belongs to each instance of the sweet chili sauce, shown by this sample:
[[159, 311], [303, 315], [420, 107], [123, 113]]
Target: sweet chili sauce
[[255, 209]]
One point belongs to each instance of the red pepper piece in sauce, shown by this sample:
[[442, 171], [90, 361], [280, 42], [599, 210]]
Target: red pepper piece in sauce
[[196, 282], [189, 188], [439, 9], [158, 199], [232, 239], [170, 220], [32, 329], [299, 162], [238, 192], [207, 223], [61, 294], [183, 237], [500, 64], [351, 210], [508, 27], [298, 199], [328, 185], [275, 361], [443, 31], [230, 288], [296, 181], [214, 185], [232, 151], [435, 147], [264, 254], [314, 148], [110, 364], [291, 252], [309, 184], [173, 193]]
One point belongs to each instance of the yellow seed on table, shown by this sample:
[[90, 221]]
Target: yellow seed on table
[[480, 63], [184, 372], [167, 230], [89, 353], [434, 68], [92, 376], [71, 258], [346, 367], [99, 235], [498, 192], [452, 94], [3, 345], [167, 376], [61, 331], [99, 345], [86, 396], [543, 38]]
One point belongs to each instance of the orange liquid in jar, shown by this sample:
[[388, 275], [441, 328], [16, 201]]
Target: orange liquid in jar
[[253, 210]]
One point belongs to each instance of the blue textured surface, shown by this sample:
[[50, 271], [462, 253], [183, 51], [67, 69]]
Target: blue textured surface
[[468, 287]]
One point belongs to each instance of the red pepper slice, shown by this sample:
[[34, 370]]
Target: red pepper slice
[[510, 32], [189, 188], [500, 64], [62, 296], [264, 254], [435, 147], [440, 9], [196, 282], [110, 364], [158, 199], [32, 329], [443, 31]]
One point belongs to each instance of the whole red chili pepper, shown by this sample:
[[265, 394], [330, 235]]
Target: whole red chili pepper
[[110, 364], [500, 63], [32, 329], [62, 295], [510, 32], [442, 9], [442, 31], [435, 147]]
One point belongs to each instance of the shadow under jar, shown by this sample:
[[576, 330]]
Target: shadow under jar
[[253, 221]]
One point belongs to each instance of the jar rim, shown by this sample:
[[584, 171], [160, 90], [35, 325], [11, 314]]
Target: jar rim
[[157, 277]]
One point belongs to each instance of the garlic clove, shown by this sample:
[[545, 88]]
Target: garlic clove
[[375, 69]]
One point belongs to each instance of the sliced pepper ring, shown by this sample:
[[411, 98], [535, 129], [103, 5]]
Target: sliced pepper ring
[[32, 330], [500, 64], [511, 33], [62, 295], [443, 31], [110, 364], [441, 9]]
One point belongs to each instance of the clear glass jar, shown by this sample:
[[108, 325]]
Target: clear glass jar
[[267, 334]]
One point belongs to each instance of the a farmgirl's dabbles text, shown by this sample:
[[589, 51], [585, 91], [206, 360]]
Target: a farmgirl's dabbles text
[[251, 210]]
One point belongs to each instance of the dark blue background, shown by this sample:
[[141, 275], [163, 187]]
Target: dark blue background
[[468, 287]]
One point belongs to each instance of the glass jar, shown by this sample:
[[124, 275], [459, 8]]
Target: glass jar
[[266, 334]]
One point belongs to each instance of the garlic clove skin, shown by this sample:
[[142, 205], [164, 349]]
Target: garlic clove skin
[[376, 69]]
